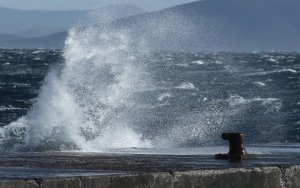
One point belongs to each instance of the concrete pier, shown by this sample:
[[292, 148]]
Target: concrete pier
[[56, 170]]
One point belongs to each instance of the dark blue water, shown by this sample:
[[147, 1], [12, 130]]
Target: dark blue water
[[21, 75], [197, 96]]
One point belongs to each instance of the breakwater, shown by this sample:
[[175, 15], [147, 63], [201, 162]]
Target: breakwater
[[119, 170], [273, 177]]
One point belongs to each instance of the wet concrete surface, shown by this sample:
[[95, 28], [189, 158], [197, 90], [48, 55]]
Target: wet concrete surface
[[55, 165], [21, 173]]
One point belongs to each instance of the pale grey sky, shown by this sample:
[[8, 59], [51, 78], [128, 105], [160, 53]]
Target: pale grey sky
[[86, 4]]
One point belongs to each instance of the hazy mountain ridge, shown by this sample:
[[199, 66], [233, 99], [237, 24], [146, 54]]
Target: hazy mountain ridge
[[47, 29], [34, 23], [15, 21], [217, 25]]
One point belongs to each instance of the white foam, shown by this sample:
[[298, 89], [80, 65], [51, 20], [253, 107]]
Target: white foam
[[182, 65], [19, 85], [38, 51], [164, 96], [288, 70], [7, 108], [186, 86], [235, 100], [273, 60], [260, 73], [260, 84], [198, 62]]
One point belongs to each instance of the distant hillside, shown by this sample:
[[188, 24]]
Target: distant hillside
[[34, 23], [16, 21], [220, 25], [215, 25]]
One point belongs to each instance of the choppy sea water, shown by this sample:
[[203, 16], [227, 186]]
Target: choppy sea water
[[188, 100], [22, 73]]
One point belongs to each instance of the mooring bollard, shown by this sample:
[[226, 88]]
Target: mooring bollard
[[236, 148]]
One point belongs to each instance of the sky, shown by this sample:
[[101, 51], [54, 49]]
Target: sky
[[86, 4]]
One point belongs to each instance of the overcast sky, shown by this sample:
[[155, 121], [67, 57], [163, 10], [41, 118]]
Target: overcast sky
[[86, 4]]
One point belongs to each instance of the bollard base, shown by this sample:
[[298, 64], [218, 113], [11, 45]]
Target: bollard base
[[235, 157]]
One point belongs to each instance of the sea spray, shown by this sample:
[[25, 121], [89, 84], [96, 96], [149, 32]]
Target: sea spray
[[85, 106]]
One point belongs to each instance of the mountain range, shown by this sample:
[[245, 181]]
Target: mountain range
[[207, 25], [220, 25], [35, 23]]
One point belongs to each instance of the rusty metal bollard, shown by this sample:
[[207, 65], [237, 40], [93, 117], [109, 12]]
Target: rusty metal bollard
[[236, 148]]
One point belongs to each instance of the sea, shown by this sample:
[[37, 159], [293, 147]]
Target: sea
[[99, 94]]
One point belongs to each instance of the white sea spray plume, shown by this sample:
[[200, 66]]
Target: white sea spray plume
[[86, 105]]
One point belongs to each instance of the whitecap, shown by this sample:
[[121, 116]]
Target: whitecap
[[236, 100], [273, 60], [288, 70], [197, 62], [261, 84], [182, 65], [186, 86], [38, 51], [9, 108], [260, 73], [19, 85], [164, 96]]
